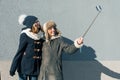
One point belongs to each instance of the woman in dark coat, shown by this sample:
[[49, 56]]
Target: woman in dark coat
[[51, 67], [27, 60]]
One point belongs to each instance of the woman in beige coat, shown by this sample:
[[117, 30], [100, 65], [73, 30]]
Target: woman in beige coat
[[51, 68]]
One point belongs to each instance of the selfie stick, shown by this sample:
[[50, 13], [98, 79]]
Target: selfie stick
[[99, 9]]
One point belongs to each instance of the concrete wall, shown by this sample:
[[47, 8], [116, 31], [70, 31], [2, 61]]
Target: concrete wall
[[72, 18]]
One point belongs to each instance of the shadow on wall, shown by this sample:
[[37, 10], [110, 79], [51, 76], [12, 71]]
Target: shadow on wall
[[83, 66]]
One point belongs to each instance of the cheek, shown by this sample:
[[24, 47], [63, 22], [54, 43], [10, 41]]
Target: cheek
[[49, 31]]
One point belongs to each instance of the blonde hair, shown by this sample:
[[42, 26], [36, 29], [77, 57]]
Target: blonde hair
[[34, 29]]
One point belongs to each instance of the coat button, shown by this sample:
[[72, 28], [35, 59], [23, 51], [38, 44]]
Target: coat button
[[38, 42], [36, 57], [37, 50], [35, 42]]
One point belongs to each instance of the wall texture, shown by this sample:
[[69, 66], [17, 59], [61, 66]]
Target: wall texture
[[98, 58]]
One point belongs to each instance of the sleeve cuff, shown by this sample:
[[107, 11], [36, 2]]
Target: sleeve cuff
[[77, 45]]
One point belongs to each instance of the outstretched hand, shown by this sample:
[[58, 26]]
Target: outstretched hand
[[80, 41]]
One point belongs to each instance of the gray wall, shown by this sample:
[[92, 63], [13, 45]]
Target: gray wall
[[72, 18]]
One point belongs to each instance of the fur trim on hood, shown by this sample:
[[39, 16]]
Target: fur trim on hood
[[46, 26]]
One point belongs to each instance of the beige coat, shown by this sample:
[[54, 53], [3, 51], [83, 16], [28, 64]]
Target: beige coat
[[51, 68]]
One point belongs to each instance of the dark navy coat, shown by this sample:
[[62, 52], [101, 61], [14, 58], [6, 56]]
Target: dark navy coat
[[28, 57]]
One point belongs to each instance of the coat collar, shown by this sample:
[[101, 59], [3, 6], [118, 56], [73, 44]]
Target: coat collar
[[32, 35], [54, 37]]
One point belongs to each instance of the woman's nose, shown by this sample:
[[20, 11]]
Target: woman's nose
[[53, 29]]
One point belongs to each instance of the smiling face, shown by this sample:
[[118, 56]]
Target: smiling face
[[51, 31]]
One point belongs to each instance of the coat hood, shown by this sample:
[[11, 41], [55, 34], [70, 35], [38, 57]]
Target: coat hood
[[46, 26]]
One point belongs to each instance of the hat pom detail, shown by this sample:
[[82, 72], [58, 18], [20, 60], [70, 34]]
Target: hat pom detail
[[45, 27], [21, 19]]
